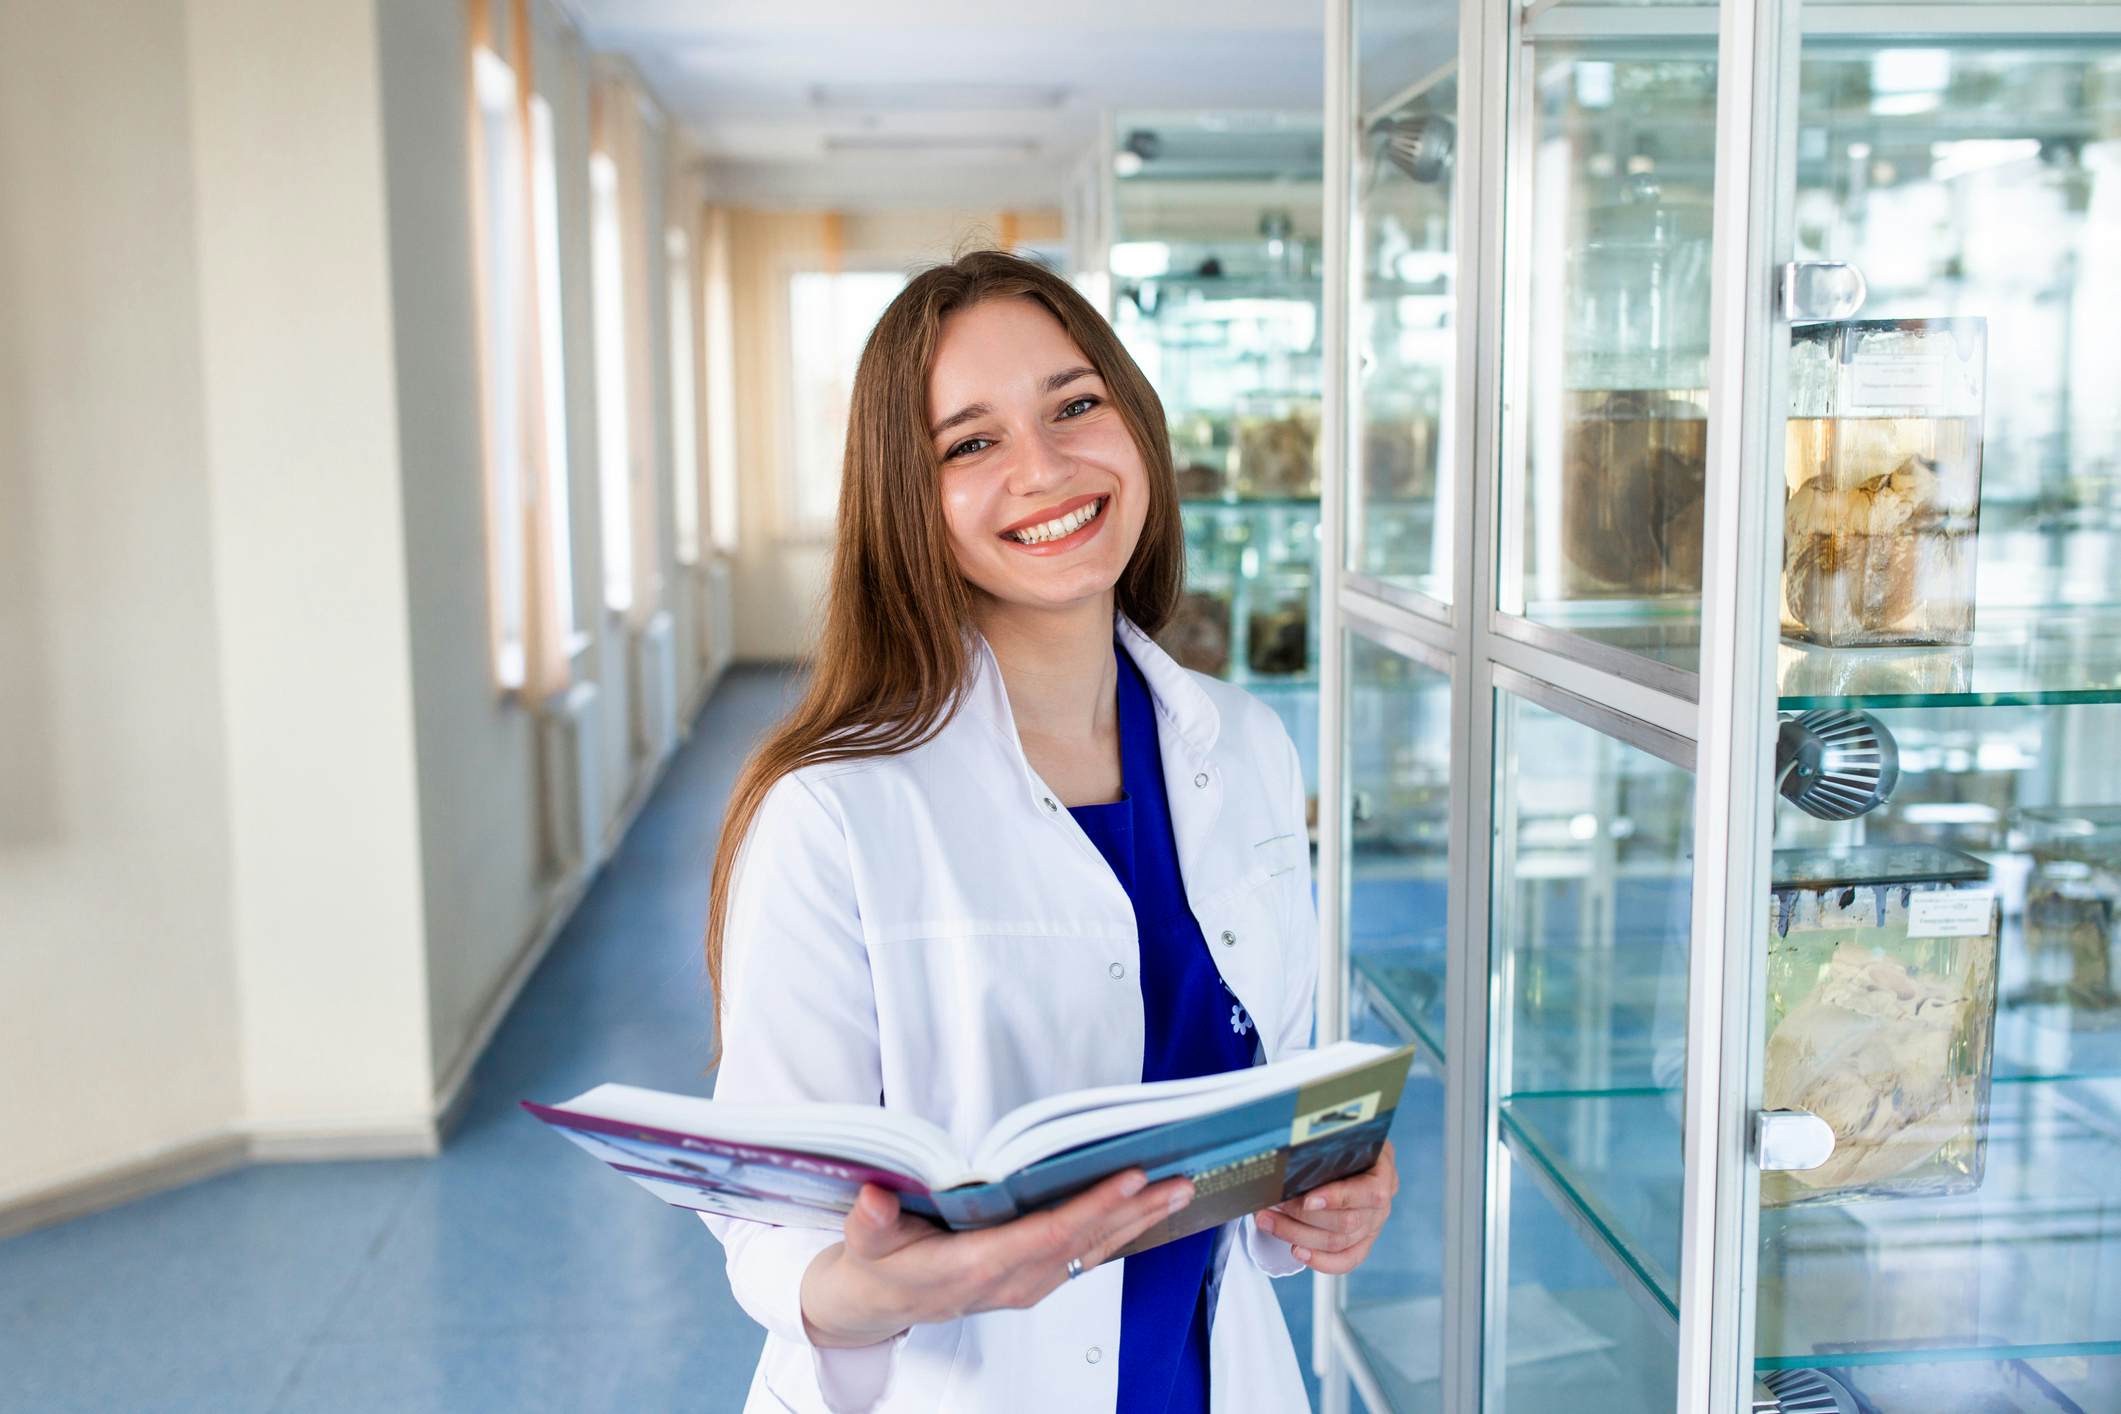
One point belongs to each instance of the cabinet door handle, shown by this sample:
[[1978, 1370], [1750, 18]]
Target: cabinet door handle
[[1821, 289], [1785, 1140]]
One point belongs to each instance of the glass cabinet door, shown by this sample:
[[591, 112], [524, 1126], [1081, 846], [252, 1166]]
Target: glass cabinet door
[[1217, 280], [1404, 301], [1590, 920], [1610, 171], [1395, 887], [1939, 921]]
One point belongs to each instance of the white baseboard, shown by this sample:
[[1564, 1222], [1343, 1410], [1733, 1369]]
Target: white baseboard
[[323, 1143], [108, 1186], [175, 1165]]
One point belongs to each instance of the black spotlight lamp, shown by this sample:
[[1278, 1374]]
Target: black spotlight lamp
[[1834, 763]]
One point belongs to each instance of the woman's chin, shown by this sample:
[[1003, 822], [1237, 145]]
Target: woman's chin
[[1075, 587]]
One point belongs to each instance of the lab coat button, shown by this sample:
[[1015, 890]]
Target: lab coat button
[[1201, 780], [1052, 805], [1229, 938], [1118, 970], [1093, 1355]]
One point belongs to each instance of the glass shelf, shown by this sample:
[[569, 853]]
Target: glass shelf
[[1666, 631], [2014, 660], [2026, 1267], [1404, 985]]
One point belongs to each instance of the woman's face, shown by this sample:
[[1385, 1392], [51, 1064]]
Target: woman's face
[[1043, 488]]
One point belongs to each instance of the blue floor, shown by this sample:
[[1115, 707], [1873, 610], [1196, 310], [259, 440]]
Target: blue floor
[[510, 1273]]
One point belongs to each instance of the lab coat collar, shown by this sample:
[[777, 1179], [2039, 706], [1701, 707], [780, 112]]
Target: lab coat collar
[[1181, 703]]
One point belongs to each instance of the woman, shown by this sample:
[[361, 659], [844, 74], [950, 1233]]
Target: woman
[[981, 863]]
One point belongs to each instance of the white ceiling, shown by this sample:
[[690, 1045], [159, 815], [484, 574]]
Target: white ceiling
[[945, 102]]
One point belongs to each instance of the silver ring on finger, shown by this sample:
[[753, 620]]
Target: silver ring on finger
[[1075, 1268]]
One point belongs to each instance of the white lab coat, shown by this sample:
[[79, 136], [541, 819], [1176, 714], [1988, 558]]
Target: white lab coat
[[933, 931]]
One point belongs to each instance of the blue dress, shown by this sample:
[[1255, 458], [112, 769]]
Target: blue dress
[[1192, 1025]]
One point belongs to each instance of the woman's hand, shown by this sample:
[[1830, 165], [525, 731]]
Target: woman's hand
[[892, 1270], [1332, 1228]]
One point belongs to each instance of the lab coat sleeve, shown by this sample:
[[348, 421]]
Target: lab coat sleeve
[[798, 1023], [1299, 982]]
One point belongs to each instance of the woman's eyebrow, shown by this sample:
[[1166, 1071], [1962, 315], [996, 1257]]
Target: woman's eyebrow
[[1054, 381]]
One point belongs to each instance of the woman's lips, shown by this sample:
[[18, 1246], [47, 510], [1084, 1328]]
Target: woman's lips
[[1081, 535], [1053, 513]]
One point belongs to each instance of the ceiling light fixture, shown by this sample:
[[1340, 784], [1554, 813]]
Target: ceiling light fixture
[[915, 143], [934, 97]]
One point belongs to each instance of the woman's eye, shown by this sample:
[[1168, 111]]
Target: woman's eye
[[1073, 401], [961, 447]]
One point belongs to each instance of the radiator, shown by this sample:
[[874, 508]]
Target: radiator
[[570, 788], [717, 629], [655, 687]]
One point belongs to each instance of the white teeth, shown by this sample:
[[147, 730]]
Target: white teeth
[[1059, 526]]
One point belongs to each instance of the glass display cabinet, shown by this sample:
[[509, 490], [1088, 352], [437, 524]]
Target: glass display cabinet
[[1217, 281], [1721, 700]]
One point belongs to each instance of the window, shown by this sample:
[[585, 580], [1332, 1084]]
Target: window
[[614, 440], [552, 360], [830, 315], [522, 411], [684, 425], [721, 388], [498, 205]]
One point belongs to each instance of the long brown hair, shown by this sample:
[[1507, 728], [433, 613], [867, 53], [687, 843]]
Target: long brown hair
[[892, 658]]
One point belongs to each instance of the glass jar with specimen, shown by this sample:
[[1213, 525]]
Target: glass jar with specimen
[[1635, 414], [1881, 1017], [1883, 468]]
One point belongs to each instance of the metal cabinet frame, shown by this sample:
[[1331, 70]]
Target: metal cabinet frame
[[1719, 720]]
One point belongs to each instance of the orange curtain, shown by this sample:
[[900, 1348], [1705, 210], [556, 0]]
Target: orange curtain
[[545, 665], [547, 669], [621, 136]]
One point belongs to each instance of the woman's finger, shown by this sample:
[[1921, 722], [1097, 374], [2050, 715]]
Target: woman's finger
[[1370, 1189], [1332, 1219], [1033, 1264], [875, 1227], [1318, 1239], [1079, 1228], [1024, 1259], [1171, 1198], [1335, 1264]]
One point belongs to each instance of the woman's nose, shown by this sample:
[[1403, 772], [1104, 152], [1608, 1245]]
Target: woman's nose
[[1038, 465]]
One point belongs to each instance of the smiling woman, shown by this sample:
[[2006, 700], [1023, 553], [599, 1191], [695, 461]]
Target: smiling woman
[[979, 865]]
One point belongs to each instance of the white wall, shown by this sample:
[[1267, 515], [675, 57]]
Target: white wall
[[118, 1022], [478, 804], [310, 568], [268, 832]]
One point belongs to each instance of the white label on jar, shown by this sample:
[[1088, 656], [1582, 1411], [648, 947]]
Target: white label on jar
[[1951, 913], [1897, 380]]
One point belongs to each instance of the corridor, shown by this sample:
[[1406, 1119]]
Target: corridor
[[507, 1274]]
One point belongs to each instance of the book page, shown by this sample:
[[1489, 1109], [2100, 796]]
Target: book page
[[1046, 1127], [681, 1136]]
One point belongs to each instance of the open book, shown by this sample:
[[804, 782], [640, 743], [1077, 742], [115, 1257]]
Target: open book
[[1247, 1139]]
